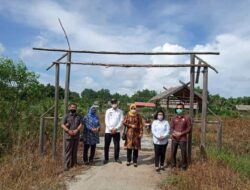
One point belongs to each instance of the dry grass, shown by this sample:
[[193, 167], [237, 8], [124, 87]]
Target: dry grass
[[207, 175], [227, 169], [29, 171], [26, 170]]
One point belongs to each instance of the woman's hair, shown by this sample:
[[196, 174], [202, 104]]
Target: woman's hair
[[159, 111]]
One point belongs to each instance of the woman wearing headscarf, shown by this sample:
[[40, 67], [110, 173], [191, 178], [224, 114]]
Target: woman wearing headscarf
[[90, 134], [160, 131], [133, 122]]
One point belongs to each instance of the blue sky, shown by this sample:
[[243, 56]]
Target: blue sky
[[131, 25]]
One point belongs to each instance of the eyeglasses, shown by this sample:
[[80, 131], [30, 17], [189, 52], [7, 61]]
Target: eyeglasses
[[133, 108]]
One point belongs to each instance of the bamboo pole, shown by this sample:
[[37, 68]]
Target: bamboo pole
[[41, 137], [64, 55], [129, 65], [219, 136], [126, 53], [204, 114], [56, 110], [198, 73], [210, 66], [191, 106]]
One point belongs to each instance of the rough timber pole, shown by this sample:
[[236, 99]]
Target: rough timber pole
[[204, 113], [56, 110], [191, 104], [66, 96]]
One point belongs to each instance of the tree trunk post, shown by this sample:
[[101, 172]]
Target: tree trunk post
[[191, 106], [57, 76]]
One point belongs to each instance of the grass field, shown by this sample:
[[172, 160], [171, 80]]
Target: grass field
[[225, 169]]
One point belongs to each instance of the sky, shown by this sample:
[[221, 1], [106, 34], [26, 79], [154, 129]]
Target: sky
[[131, 25]]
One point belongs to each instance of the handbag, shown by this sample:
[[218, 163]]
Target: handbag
[[124, 135]]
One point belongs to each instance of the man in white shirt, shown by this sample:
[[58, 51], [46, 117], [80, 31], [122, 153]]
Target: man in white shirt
[[113, 122]]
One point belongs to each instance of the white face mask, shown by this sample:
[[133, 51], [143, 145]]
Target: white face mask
[[133, 111], [114, 106], [160, 117]]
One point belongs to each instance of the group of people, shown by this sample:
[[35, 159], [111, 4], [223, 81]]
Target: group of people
[[132, 134]]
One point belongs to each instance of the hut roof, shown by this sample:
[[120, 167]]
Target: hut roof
[[179, 92]]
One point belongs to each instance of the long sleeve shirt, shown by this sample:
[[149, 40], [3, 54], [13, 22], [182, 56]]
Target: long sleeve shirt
[[113, 119], [160, 129], [181, 124]]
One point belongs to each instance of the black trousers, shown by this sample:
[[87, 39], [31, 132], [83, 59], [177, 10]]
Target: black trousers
[[116, 140], [160, 153], [183, 147], [86, 150], [71, 147], [135, 155]]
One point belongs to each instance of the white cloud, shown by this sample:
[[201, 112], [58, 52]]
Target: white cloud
[[232, 64], [94, 25], [156, 78]]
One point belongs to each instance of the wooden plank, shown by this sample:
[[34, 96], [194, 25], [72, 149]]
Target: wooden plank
[[204, 114], [191, 106], [57, 76], [126, 53]]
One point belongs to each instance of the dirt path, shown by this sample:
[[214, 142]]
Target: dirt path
[[114, 176]]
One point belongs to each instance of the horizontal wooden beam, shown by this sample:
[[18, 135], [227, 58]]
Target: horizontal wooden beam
[[126, 53], [128, 65]]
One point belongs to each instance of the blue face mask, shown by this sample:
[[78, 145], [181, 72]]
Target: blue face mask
[[179, 111]]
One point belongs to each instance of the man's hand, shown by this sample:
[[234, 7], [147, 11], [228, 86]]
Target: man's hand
[[161, 138], [113, 131], [176, 134], [141, 135], [70, 132], [75, 132]]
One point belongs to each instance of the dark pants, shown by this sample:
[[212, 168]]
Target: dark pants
[[116, 140], [86, 150], [183, 146], [71, 147], [135, 155], [160, 152]]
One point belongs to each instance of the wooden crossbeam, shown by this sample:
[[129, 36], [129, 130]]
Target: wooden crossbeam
[[126, 53], [128, 65]]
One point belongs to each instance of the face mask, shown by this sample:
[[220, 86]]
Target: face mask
[[133, 111], [179, 111], [160, 117], [73, 111], [114, 106]]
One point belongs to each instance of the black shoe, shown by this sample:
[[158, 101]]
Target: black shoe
[[105, 162], [157, 169], [118, 161], [86, 163], [183, 169], [128, 163], [135, 164], [162, 168]]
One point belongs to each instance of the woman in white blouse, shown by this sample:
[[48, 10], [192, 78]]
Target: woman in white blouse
[[160, 130]]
